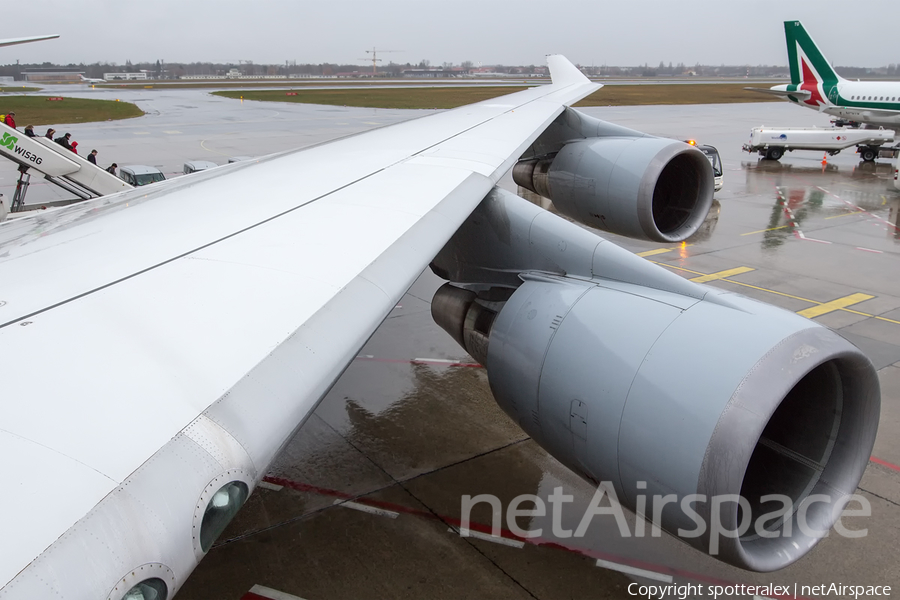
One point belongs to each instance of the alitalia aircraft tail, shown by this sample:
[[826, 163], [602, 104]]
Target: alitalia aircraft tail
[[808, 65]]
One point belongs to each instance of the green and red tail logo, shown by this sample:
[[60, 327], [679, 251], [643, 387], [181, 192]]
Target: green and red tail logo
[[810, 70]]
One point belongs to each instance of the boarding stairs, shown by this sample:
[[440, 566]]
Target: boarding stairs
[[57, 165]]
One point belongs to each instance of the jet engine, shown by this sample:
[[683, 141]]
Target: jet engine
[[753, 424], [618, 179], [641, 187]]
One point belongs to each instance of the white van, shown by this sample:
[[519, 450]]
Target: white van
[[138, 175], [194, 166]]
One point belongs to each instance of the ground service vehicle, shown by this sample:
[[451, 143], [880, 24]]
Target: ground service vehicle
[[712, 154], [194, 166], [773, 142], [138, 175]]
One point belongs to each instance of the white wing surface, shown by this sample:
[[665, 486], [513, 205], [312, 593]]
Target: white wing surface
[[163, 342]]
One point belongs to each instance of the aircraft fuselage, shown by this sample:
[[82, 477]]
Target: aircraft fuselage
[[875, 103]]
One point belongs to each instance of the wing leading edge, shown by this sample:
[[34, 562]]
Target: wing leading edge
[[186, 353], [25, 40]]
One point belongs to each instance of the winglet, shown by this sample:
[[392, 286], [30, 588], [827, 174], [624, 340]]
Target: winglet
[[564, 72]]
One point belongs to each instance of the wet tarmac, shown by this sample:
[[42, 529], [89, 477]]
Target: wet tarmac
[[365, 502], [185, 125]]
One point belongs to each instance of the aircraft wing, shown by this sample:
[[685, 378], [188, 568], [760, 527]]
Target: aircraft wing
[[799, 94], [165, 341], [25, 40]]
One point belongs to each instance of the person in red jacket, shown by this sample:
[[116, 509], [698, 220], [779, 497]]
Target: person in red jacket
[[10, 121]]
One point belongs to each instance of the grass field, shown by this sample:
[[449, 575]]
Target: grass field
[[684, 93], [612, 95], [37, 110], [256, 84], [380, 98], [17, 89]]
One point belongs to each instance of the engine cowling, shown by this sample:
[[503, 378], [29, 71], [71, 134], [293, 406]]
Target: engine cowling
[[630, 374], [720, 397], [641, 187]]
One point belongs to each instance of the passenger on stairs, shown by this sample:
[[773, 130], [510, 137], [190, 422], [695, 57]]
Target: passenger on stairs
[[64, 141]]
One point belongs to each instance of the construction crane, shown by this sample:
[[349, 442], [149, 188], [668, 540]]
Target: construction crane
[[374, 58], [245, 63]]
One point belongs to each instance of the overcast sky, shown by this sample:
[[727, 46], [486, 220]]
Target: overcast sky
[[597, 32]]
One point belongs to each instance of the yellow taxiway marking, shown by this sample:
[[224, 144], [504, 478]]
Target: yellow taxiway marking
[[856, 212], [721, 274], [763, 230], [834, 305], [755, 287], [767, 290], [654, 252]]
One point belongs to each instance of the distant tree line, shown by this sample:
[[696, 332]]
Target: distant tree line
[[162, 70]]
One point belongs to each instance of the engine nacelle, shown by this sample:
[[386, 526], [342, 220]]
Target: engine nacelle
[[641, 187], [722, 397], [632, 375]]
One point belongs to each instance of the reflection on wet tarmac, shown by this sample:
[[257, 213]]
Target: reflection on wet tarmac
[[806, 197], [446, 408], [894, 216]]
